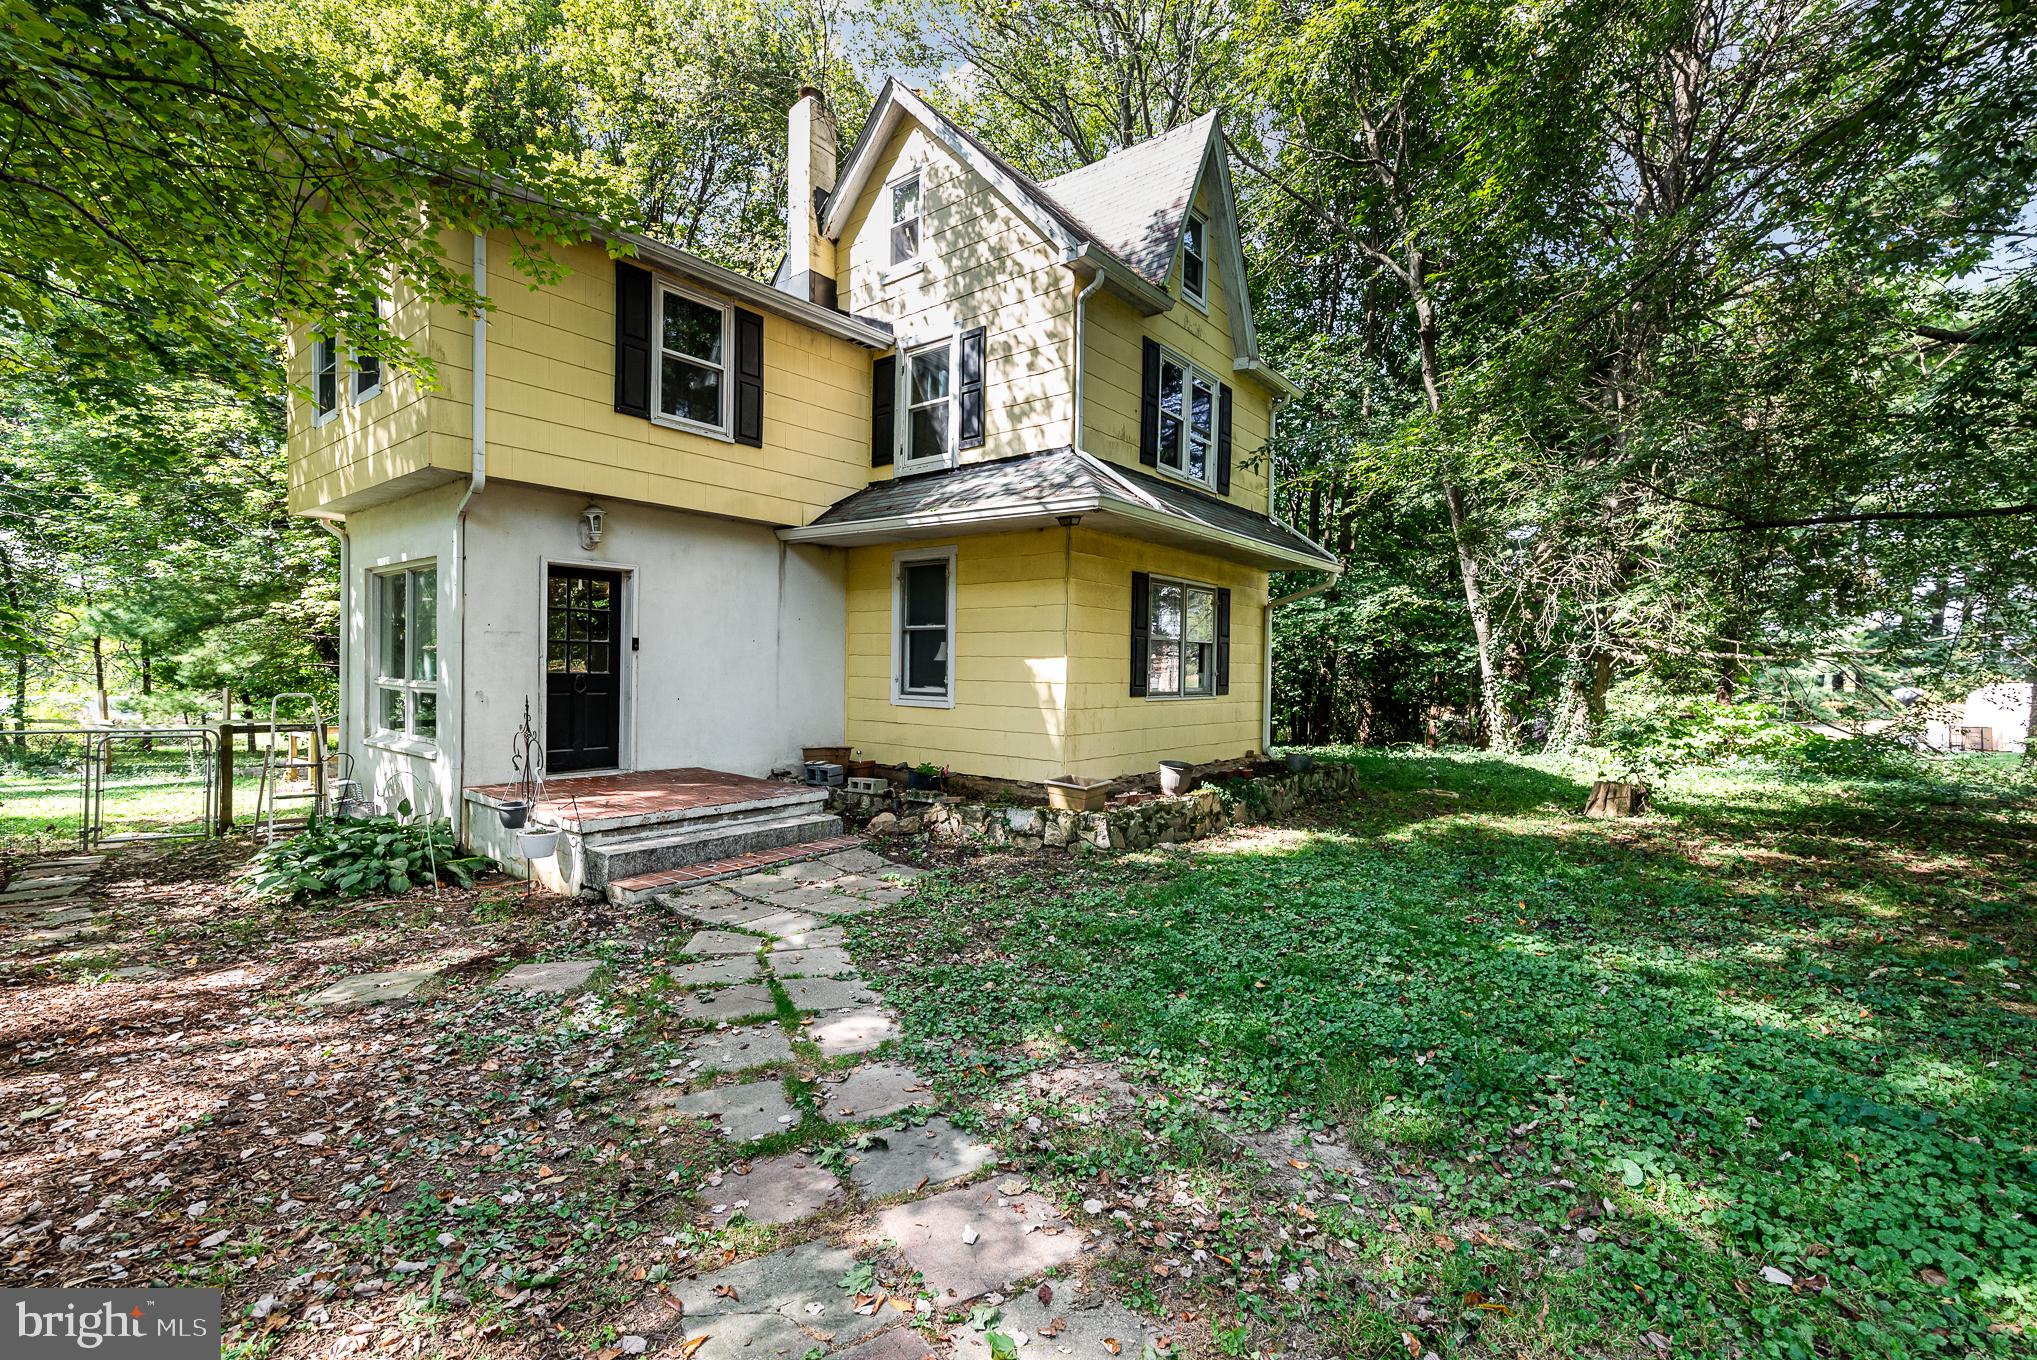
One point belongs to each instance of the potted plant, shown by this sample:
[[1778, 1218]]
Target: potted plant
[[926, 776], [527, 759], [1176, 778], [1071, 793], [537, 842]]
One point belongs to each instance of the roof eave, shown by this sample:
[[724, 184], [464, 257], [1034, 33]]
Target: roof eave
[[869, 334]]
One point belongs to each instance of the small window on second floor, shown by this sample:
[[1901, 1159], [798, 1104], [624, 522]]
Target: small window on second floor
[[1195, 259], [367, 377], [905, 220], [324, 378], [1188, 409], [692, 360]]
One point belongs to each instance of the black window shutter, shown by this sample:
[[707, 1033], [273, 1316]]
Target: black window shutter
[[1142, 603], [1224, 637], [883, 397], [970, 386], [1223, 442], [632, 339], [749, 378], [1149, 408]]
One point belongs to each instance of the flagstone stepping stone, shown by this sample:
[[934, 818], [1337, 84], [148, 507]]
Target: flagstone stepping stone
[[828, 994], [559, 975], [740, 1114], [966, 1243], [780, 1189], [856, 861], [45, 939], [785, 925], [713, 972], [860, 885], [1083, 1321], [812, 963], [813, 871], [840, 1033], [369, 989], [900, 1343], [726, 1003], [64, 864], [853, 906], [689, 902], [732, 1050], [774, 1307], [721, 942], [874, 1091], [807, 897], [140, 972], [43, 890], [821, 937], [56, 878], [764, 883], [901, 873], [62, 916], [909, 1160]]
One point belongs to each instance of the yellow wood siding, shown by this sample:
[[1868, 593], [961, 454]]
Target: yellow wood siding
[[1041, 661], [384, 442], [1113, 336], [983, 266], [552, 420]]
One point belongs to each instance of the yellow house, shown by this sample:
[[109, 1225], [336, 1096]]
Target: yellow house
[[976, 480]]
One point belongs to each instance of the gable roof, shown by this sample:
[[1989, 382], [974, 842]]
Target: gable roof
[[1040, 489], [1121, 216]]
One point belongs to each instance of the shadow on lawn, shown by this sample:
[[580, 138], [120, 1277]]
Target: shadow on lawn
[[1794, 1060]]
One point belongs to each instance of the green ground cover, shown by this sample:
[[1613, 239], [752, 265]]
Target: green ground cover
[[1752, 1075]]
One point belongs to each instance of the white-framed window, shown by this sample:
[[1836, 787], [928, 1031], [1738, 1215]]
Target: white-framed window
[[325, 369], [407, 651], [1188, 420], [368, 367], [1181, 648], [926, 433], [367, 376], [908, 219], [923, 628], [693, 350], [1195, 259]]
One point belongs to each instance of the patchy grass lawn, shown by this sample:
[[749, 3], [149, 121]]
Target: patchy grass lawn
[[1752, 1075]]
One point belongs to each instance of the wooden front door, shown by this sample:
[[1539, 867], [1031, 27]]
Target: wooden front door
[[583, 670]]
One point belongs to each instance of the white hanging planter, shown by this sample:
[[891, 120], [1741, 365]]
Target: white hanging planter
[[538, 843]]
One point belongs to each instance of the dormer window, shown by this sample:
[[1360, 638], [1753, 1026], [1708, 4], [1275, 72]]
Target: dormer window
[[905, 220], [929, 404], [1195, 259]]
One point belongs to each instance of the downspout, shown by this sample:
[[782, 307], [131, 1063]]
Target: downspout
[[338, 529], [477, 477], [1081, 297]]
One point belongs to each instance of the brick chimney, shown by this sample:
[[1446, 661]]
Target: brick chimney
[[810, 150]]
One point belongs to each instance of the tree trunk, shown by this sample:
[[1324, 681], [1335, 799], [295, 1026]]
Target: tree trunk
[[1616, 798], [99, 679]]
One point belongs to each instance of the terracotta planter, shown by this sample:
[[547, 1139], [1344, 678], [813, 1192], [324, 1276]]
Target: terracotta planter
[[862, 769], [1078, 795]]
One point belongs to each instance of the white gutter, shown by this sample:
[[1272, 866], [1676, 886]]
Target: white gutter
[[477, 478], [1081, 297], [338, 529]]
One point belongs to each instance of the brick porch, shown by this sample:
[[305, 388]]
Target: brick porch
[[581, 802]]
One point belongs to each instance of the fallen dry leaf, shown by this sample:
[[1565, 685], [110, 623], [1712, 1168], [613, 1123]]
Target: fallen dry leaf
[[695, 1344]]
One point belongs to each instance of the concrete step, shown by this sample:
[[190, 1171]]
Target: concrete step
[[643, 887], [609, 858]]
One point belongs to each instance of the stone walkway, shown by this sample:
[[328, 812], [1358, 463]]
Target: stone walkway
[[897, 1240], [40, 905], [897, 1233]]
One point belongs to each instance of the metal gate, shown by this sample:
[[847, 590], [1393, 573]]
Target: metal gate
[[140, 782]]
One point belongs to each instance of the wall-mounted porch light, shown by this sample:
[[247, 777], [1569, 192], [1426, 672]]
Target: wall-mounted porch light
[[593, 522]]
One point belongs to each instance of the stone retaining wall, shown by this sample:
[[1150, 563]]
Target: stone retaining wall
[[1128, 826]]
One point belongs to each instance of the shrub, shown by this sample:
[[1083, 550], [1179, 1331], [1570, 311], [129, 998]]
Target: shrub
[[353, 857], [1688, 732], [1877, 755]]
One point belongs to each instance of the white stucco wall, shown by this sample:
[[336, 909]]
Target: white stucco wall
[[416, 528], [741, 636]]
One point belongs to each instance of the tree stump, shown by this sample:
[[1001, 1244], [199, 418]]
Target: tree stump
[[1616, 798]]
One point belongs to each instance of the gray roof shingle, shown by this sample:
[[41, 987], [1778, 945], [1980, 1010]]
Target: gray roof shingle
[[1054, 481], [1133, 201]]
